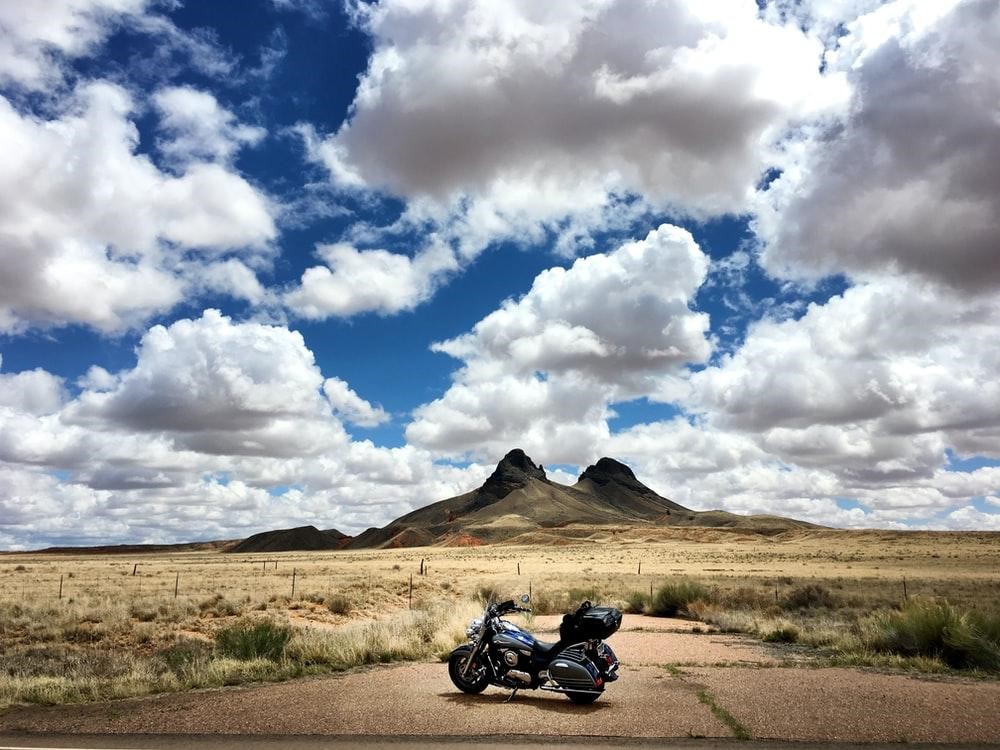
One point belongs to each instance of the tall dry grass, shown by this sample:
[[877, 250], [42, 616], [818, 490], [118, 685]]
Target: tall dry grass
[[45, 667]]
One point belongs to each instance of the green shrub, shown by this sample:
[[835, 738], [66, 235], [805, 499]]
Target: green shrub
[[782, 634], [253, 640], [810, 596], [488, 592], [185, 653], [338, 604], [673, 598], [579, 596], [637, 602], [961, 639]]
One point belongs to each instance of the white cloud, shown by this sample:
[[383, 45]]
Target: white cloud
[[228, 428], [31, 391], [499, 122], [355, 281], [33, 35], [197, 128], [608, 315], [91, 232], [350, 406], [541, 372], [906, 183], [676, 98]]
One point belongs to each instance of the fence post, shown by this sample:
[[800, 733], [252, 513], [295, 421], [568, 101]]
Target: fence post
[[905, 597], [293, 582], [640, 568], [519, 568], [421, 566], [60, 586], [411, 590], [177, 581], [135, 568]]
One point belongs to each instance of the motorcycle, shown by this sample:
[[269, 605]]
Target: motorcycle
[[580, 664]]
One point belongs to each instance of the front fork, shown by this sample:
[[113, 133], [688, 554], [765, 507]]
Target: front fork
[[472, 655]]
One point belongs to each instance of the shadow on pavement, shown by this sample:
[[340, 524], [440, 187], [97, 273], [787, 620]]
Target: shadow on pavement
[[544, 703]]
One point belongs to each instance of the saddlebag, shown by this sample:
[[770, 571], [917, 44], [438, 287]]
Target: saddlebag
[[573, 672], [590, 623]]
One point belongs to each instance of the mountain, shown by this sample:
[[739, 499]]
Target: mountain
[[288, 540], [518, 500]]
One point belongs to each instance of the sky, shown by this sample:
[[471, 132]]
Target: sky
[[267, 263]]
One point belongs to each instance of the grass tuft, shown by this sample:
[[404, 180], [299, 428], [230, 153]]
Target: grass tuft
[[962, 639], [253, 640], [674, 598]]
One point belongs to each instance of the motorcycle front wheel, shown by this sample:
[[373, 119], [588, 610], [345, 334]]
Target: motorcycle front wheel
[[475, 681]]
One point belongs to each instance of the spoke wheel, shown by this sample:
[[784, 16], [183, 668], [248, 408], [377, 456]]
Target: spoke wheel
[[475, 681]]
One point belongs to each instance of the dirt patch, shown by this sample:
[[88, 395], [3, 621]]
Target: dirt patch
[[463, 540]]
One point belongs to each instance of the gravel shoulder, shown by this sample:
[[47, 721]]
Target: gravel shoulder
[[693, 697]]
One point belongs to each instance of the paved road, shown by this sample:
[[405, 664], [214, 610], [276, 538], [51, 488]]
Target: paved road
[[285, 742], [675, 684]]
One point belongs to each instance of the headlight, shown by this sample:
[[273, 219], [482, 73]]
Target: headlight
[[475, 626]]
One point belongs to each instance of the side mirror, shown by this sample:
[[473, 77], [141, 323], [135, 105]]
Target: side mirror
[[525, 598]]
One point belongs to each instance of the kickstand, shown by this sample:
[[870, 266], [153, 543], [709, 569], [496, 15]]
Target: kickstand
[[511, 696]]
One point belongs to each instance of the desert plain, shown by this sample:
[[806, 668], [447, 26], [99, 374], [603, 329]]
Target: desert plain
[[81, 628]]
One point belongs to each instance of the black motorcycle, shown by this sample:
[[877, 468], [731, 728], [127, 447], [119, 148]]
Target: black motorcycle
[[500, 653]]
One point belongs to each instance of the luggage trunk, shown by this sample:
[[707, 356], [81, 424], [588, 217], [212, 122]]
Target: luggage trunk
[[590, 624]]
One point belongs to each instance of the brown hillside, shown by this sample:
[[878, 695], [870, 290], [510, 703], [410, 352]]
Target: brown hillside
[[288, 540]]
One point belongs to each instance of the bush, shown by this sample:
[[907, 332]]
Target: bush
[[782, 634], [673, 598], [961, 639], [579, 596], [253, 640], [637, 602], [338, 604], [810, 596], [487, 593], [185, 653]]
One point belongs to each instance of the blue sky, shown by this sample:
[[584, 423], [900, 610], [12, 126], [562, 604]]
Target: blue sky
[[281, 262]]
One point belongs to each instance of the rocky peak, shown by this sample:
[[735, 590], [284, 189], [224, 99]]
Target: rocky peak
[[513, 472], [608, 470]]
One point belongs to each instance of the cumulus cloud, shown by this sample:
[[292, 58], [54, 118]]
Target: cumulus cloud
[[225, 427], [675, 97], [542, 371], [878, 381], [92, 232], [35, 35], [906, 183], [31, 391], [608, 315], [508, 122], [350, 406], [196, 127], [353, 281]]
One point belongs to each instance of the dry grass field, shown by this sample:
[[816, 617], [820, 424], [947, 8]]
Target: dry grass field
[[133, 624]]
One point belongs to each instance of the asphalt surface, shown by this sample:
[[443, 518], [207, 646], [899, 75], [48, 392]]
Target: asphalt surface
[[298, 742], [674, 684]]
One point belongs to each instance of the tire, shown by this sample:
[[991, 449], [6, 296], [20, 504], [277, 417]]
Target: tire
[[583, 699], [474, 682]]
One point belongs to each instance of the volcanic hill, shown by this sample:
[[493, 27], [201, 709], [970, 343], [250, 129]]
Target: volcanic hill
[[518, 502], [289, 540]]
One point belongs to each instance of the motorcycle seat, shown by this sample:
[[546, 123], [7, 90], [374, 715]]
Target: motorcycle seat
[[545, 649]]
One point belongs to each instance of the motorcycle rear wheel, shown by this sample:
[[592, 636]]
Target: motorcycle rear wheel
[[583, 699], [476, 681]]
